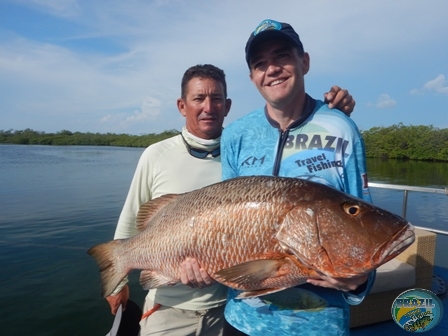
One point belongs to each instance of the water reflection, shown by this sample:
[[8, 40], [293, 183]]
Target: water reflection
[[414, 173]]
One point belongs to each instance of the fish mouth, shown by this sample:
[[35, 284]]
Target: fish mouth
[[400, 242]]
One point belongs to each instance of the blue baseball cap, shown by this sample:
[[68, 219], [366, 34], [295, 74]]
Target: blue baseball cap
[[268, 29]]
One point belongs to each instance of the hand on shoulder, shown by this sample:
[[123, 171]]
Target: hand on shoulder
[[340, 99]]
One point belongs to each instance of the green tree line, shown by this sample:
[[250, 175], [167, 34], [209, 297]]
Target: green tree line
[[394, 142], [407, 142], [64, 138]]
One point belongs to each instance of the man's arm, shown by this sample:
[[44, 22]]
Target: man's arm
[[120, 298], [139, 193], [228, 157], [354, 290]]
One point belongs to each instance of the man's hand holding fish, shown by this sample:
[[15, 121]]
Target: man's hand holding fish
[[342, 284], [193, 275]]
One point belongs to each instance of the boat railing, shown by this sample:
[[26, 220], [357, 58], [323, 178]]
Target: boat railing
[[406, 189]]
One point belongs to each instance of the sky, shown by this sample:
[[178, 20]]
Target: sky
[[116, 66]]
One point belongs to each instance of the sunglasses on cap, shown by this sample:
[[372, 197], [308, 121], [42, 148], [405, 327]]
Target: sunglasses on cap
[[200, 153]]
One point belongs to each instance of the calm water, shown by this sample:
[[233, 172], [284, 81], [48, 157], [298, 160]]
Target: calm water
[[56, 202]]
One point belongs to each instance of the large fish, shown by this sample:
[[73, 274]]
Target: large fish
[[258, 234]]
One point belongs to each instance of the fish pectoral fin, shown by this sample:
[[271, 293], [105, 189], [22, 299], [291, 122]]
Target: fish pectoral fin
[[151, 279], [255, 293], [251, 271]]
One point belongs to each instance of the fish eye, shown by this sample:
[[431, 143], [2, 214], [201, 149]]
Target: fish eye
[[351, 209]]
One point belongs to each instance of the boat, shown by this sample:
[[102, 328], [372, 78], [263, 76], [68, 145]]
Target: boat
[[439, 276]]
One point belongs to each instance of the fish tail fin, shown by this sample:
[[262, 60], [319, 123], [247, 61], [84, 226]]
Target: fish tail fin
[[111, 272]]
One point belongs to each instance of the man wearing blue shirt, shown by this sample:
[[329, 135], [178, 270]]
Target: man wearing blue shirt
[[294, 135]]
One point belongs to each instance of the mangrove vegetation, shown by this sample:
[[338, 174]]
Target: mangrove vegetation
[[67, 138], [426, 143]]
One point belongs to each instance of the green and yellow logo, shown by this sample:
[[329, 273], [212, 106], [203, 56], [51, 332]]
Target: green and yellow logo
[[417, 310]]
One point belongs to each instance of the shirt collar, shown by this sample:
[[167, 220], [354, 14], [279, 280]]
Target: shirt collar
[[310, 105]]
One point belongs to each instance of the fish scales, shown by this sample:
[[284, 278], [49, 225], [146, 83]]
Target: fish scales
[[259, 234], [195, 218]]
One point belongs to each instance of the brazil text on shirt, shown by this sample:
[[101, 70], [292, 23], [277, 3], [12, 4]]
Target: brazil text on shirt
[[330, 143], [414, 303]]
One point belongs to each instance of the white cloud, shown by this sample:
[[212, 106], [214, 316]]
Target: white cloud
[[108, 57], [437, 85], [416, 92], [149, 110], [385, 101], [108, 118]]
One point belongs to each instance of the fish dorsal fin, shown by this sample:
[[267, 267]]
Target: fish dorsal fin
[[251, 271], [151, 208]]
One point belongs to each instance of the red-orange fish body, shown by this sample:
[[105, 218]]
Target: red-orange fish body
[[258, 234]]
